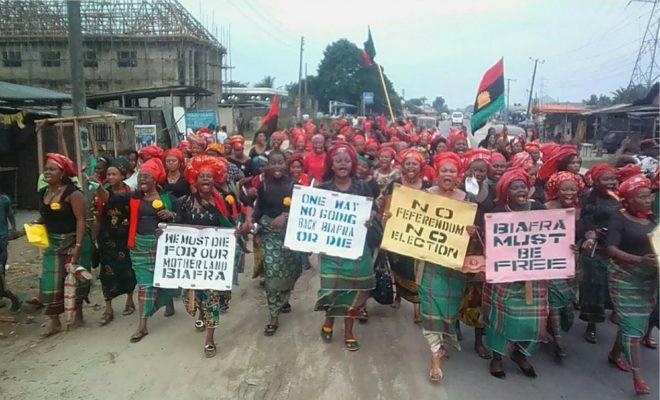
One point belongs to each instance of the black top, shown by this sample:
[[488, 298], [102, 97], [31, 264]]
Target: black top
[[244, 166], [373, 188], [253, 152], [533, 207], [59, 221], [357, 187], [148, 220], [271, 194], [177, 189], [390, 187], [115, 216], [206, 214], [597, 211], [539, 192], [629, 235]]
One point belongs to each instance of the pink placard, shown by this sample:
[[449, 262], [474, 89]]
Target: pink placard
[[530, 245]]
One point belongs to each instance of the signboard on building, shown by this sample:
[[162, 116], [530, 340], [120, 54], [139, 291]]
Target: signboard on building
[[201, 119], [368, 98], [145, 135]]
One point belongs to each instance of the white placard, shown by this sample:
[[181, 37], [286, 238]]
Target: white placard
[[327, 222], [195, 258]]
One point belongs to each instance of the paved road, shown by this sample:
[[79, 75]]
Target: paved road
[[100, 363]]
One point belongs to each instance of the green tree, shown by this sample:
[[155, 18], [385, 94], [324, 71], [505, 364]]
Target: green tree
[[629, 95], [598, 101], [440, 105], [267, 82], [235, 84]]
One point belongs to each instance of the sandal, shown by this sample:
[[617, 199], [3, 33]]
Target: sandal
[[137, 336], [209, 350], [590, 336], [128, 310], [270, 329], [106, 318], [286, 308], [528, 370], [51, 332], [641, 387], [650, 343], [436, 374], [199, 325], [482, 352], [620, 363], [326, 334], [169, 310], [351, 344], [17, 309], [497, 369]]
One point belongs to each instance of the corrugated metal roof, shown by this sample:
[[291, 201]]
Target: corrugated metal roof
[[12, 94]]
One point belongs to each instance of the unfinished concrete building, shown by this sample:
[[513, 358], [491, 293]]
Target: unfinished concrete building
[[129, 45]]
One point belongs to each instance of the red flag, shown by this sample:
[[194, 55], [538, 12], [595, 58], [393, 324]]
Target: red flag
[[270, 120]]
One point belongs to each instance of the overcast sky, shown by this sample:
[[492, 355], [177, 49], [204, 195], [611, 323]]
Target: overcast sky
[[431, 48]]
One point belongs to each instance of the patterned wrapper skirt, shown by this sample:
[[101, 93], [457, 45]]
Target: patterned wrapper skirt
[[143, 257], [282, 267], [441, 291], [510, 321], [561, 294], [51, 289], [634, 292], [116, 274], [403, 269], [594, 293], [342, 281]]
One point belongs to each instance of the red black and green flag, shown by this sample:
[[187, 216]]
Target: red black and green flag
[[369, 51], [269, 121], [490, 96]]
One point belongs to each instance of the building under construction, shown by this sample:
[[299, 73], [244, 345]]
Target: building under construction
[[131, 47]]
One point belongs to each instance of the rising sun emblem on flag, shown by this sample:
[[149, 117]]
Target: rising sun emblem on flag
[[483, 99]]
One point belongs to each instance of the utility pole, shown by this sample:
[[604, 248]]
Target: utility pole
[[508, 87], [75, 57], [298, 110], [305, 88], [531, 88]]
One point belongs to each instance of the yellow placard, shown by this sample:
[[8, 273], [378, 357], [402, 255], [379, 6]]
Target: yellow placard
[[36, 235], [428, 227]]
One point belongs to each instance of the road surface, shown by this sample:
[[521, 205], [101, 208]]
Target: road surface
[[100, 363]]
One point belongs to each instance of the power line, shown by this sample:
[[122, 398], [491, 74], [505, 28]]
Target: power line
[[645, 64]]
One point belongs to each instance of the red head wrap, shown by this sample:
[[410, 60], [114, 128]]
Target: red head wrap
[[473, 155], [297, 157], [151, 151], [63, 162], [552, 186], [176, 153], [547, 149], [532, 146], [627, 171], [454, 137], [628, 188], [447, 157], [412, 153], [596, 172], [519, 139], [310, 128], [337, 148], [154, 167], [511, 175], [551, 165], [522, 160], [389, 150], [218, 166], [278, 135], [358, 138], [372, 143], [237, 142], [216, 147], [184, 146], [495, 156], [197, 139], [204, 130]]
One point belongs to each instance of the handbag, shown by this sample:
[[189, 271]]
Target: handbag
[[37, 235], [383, 293]]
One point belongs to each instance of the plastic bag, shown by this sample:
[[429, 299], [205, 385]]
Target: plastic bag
[[37, 235]]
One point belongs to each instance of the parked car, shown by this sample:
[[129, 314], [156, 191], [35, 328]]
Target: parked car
[[612, 140], [457, 118]]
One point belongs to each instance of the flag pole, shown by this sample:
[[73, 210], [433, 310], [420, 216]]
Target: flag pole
[[387, 96]]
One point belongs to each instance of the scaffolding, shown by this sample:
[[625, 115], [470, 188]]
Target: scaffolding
[[26, 19]]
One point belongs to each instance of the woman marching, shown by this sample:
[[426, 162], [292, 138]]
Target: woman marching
[[281, 266], [412, 161], [441, 289], [512, 325], [385, 173], [562, 191], [633, 274], [116, 274], [62, 209], [175, 184], [345, 284], [148, 207], [599, 206], [207, 207]]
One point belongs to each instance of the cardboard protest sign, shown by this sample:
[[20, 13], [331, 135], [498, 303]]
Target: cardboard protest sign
[[195, 258], [428, 227], [331, 223], [530, 245]]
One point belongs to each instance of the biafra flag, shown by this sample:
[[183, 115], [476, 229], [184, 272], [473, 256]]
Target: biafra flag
[[369, 51], [490, 96], [269, 121]]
